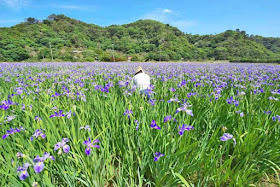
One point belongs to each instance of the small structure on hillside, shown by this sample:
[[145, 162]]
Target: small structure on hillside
[[76, 51], [129, 58]]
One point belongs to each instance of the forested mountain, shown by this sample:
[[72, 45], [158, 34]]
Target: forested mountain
[[67, 39]]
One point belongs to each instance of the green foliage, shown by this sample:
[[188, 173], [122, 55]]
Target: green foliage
[[126, 154], [148, 39]]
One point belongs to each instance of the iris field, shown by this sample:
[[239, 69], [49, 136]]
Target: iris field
[[83, 124]]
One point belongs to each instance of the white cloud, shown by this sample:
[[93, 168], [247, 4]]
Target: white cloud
[[167, 10], [171, 17], [158, 14], [73, 7], [16, 4]]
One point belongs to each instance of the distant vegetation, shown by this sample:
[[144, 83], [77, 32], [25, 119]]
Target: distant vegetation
[[144, 40]]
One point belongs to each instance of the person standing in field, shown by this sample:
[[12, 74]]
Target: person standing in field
[[141, 81]]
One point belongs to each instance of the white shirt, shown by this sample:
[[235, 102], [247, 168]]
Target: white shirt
[[141, 81]]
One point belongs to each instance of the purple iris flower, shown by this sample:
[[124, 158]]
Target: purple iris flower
[[12, 131], [90, 144], [152, 102], [105, 89], [109, 85], [227, 136], [183, 83], [37, 118], [39, 166], [173, 100], [38, 133], [4, 107], [157, 156], [48, 155], [185, 128], [97, 87], [267, 112], [20, 155], [184, 108], [9, 118], [167, 118], [127, 113], [19, 91], [230, 100], [277, 117], [23, 171], [87, 127], [273, 98], [137, 124], [172, 89], [236, 103], [63, 145], [56, 94], [6, 104], [57, 114], [69, 114], [154, 125]]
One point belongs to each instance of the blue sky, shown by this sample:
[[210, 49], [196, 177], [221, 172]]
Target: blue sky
[[260, 17]]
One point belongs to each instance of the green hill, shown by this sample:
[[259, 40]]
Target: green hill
[[234, 46], [144, 40]]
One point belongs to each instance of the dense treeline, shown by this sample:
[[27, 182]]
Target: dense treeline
[[64, 39]]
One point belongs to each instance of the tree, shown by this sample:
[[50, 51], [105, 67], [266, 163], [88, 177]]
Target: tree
[[31, 20]]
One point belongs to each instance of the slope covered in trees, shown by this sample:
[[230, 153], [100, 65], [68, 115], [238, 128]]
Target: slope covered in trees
[[65, 39]]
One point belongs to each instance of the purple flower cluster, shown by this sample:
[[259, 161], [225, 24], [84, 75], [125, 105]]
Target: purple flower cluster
[[9, 118], [61, 114], [12, 131], [152, 102], [128, 113], [6, 104], [277, 117], [137, 124], [267, 112], [56, 94], [167, 118], [232, 101], [37, 118], [154, 125], [173, 100], [185, 128], [38, 133], [39, 162], [87, 127], [57, 114], [184, 108], [273, 98], [172, 89], [240, 113]]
